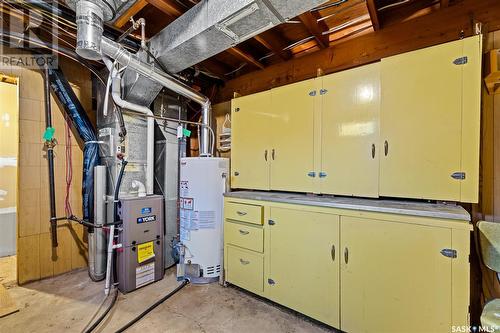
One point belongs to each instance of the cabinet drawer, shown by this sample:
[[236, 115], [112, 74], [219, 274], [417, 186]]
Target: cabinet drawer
[[245, 269], [246, 236], [243, 212]]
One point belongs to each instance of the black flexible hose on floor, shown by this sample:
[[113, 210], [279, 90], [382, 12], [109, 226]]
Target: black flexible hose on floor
[[104, 314], [152, 307]]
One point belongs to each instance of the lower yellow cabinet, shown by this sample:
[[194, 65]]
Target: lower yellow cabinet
[[394, 277], [360, 271], [245, 269], [303, 263]]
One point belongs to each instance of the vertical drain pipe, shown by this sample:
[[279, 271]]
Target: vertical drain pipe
[[49, 145]]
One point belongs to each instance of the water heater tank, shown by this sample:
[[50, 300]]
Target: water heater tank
[[202, 185]]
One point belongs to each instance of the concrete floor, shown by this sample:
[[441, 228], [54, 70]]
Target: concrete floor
[[8, 268], [67, 303]]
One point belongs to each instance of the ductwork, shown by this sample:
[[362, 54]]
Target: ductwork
[[207, 29]]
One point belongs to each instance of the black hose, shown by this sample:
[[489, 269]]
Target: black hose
[[104, 314], [152, 307]]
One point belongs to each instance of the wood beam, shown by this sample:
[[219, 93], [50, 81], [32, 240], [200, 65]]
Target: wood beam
[[168, 7], [275, 43], [311, 24], [432, 29], [372, 9], [445, 3], [245, 56], [134, 9]]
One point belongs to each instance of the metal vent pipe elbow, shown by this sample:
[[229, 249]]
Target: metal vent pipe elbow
[[118, 53]]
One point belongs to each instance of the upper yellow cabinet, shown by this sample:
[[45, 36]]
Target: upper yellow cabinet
[[429, 118], [250, 154], [292, 146], [408, 126], [272, 143], [350, 132]]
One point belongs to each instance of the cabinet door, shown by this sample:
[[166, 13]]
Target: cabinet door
[[292, 141], [420, 125], [250, 155], [350, 132], [304, 263], [394, 278]]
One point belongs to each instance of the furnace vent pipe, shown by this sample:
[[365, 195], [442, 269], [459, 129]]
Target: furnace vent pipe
[[116, 95], [125, 58]]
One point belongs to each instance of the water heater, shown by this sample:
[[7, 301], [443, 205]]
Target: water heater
[[202, 185]]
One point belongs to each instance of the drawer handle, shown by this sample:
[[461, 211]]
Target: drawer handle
[[244, 262], [333, 252], [386, 147], [272, 154], [373, 150], [265, 155], [346, 255], [241, 213], [244, 232]]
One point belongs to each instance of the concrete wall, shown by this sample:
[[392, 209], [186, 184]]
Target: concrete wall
[[36, 257]]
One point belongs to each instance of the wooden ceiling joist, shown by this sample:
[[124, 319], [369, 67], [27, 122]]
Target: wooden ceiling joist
[[440, 26], [245, 56], [170, 8], [133, 10], [372, 9], [275, 43], [311, 24]]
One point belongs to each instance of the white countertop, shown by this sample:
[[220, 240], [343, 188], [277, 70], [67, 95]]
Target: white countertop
[[404, 207]]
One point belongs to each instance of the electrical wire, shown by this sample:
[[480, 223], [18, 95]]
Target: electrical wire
[[69, 168], [152, 307]]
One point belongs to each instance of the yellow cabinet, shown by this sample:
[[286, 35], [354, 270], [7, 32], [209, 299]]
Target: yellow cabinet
[[394, 277], [243, 212], [244, 235], [304, 263], [350, 132], [250, 153], [292, 147], [245, 269], [429, 122]]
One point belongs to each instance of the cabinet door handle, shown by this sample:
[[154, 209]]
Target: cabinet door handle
[[386, 148], [244, 262], [244, 232], [241, 213], [265, 155], [346, 255], [333, 252], [373, 150], [272, 154]]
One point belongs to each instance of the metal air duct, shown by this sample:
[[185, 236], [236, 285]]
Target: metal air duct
[[205, 30]]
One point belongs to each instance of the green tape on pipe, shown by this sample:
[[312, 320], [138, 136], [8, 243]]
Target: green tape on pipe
[[48, 135]]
